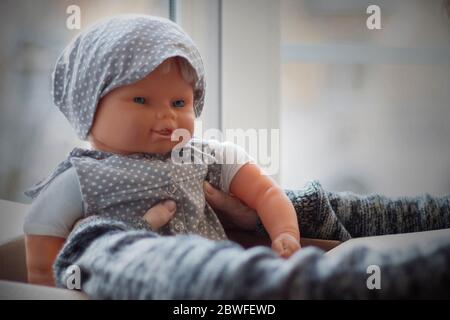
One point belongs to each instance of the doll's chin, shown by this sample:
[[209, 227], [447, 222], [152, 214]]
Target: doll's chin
[[161, 146]]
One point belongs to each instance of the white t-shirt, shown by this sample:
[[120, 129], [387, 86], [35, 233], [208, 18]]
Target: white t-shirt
[[60, 205]]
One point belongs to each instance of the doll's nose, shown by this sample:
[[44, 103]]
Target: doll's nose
[[165, 112]]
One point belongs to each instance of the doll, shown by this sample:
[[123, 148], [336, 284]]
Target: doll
[[127, 84]]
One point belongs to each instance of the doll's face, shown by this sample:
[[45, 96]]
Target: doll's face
[[140, 117]]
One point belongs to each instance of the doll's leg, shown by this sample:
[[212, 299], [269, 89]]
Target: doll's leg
[[120, 263]]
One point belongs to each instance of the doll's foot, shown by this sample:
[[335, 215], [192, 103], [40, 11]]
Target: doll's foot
[[160, 214]]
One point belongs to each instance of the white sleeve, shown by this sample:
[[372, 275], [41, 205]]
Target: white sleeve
[[57, 207], [232, 157]]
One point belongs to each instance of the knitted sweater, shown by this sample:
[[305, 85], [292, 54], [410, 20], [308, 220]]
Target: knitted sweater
[[117, 261]]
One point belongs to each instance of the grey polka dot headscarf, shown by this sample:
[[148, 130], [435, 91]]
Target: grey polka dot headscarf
[[114, 52]]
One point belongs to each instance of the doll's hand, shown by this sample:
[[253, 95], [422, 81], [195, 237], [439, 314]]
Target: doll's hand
[[232, 213], [285, 245], [161, 213]]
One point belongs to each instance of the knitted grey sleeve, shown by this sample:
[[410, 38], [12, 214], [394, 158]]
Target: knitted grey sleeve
[[374, 214], [344, 215], [119, 262]]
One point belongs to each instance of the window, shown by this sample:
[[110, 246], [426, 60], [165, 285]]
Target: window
[[365, 110], [359, 110]]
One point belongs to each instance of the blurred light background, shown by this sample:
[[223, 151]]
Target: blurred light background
[[368, 110], [360, 110]]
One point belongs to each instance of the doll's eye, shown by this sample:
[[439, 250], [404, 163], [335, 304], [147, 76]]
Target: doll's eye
[[178, 103], [140, 100]]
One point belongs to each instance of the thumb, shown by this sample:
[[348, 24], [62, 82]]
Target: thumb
[[160, 214], [214, 197], [170, 205]]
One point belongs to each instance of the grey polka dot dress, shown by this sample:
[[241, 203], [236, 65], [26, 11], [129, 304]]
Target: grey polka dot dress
[[125, 187]]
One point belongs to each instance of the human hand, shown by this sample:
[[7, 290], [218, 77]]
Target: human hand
[[285, 245], [157, 216], [232, 213]]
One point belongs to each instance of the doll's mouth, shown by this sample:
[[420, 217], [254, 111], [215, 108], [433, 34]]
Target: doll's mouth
[[164, 133]]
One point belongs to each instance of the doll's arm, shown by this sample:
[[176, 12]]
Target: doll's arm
[[260, 192], [41, 252]]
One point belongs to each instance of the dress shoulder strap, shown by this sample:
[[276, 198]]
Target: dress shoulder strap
[[36, 189]]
